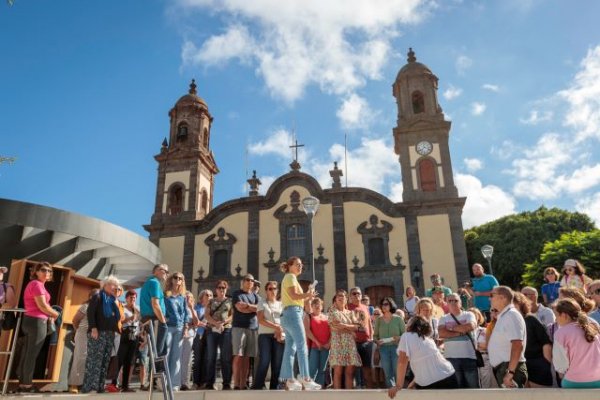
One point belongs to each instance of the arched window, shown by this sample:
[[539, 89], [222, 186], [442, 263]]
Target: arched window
[[175, 200], [182, 132], [296, 240], [418, 102], [205, 138], [204, 201], [427, 175], [376, 252], [220, 266]]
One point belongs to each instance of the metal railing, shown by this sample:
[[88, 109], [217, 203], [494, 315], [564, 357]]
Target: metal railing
[[162, 372], [12, 344]]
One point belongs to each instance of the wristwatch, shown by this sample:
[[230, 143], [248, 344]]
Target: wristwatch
[[508, 371]]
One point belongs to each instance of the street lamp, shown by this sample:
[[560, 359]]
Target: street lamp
[[311, 205], [416, 272], [488, 252]]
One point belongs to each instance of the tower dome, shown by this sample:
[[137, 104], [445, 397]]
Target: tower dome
[[191, 97]]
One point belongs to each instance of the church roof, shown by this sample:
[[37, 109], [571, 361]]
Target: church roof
[[192, 97], [413, 67]]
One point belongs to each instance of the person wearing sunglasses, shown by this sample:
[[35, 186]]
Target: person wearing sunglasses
[[219, 315], [456, 328], [574, 276], [550, 288], [594, 294], [388, 329], [178, 319], [38, 312], [152, 304]]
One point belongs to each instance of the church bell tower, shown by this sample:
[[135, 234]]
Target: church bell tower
[[186, 166], [421, 135]]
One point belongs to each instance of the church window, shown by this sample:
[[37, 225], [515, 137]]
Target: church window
[[175, 200], [221, 259], [376, 251], [427, 175], [296, 240], [205, 138], [182, 132], [204, 201], [418, 102]]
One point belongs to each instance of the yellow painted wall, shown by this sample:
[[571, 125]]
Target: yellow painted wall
[[236, 224], [414, 156], [204, 183], [356, 213], [436, 249], [441, 176], [172, 252], [172, 177]]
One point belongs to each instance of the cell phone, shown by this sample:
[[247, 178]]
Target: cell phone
[[314, 284]]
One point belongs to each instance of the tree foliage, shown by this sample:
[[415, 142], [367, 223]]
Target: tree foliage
[[583, 246], [519, 239]]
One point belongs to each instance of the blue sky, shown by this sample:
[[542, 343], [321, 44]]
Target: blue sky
[[85, 88]]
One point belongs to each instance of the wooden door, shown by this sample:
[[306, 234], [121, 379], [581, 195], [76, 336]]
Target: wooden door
[[376, 293]]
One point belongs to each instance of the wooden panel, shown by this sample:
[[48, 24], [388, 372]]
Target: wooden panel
[[376, 293]]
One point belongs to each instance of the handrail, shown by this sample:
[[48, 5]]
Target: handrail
[[13, 345]]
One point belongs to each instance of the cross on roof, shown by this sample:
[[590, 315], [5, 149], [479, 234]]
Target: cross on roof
[[295, 147]]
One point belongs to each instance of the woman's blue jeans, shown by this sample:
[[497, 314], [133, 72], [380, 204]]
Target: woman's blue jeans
[[174, 343], [317, 360], [270, 353], [223, 342], [295, 342], [389, 359]]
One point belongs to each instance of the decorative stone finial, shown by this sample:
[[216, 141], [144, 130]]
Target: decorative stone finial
[[295, 165], [165, 143], [335, 174], [411, 55], [193, 87], [254, 183]]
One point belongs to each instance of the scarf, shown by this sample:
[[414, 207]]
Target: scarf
[[109, 306]]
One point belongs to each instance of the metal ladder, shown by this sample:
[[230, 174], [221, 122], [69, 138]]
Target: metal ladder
[[159, 367], [12, 346]]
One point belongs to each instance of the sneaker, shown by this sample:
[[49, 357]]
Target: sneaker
[[293, 384], [111, 388], [309, 384]]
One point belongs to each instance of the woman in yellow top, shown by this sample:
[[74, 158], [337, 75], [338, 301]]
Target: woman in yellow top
[[292, 299]]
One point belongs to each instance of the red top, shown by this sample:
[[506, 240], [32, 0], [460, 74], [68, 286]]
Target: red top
[[35, 288], [320, 330], [362, 337]]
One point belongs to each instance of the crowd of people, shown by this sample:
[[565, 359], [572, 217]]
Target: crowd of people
[[483, 335]]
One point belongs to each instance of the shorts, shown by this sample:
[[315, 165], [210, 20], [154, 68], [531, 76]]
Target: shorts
[[244, 342], [365, 352], [142, 356]]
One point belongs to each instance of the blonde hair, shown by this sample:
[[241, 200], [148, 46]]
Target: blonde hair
[[577, 294], [521, 303], [571, 308], [421, 302], [478, 315], [171, 289]]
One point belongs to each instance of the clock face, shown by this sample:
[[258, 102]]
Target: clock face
[[424, 147]]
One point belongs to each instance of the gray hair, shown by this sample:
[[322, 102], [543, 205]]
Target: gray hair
[[110, 279], [530, 289], [204, 292]]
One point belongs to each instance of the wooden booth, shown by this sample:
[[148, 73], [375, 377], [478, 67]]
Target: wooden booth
[[67, 290]]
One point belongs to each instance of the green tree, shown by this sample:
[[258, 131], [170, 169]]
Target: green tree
[[519, 239], [583, 246]]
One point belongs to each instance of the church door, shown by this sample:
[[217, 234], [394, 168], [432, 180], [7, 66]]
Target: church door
[[376, 293]]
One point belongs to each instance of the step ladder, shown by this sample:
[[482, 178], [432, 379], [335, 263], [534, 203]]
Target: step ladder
[[159, 367]]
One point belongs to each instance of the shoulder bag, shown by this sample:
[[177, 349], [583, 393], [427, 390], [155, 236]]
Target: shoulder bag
[[478, 355]]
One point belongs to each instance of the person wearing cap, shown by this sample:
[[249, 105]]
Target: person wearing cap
[[7, 291], [574, 275], [244, 332]]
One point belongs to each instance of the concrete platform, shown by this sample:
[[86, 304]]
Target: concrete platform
[[379, 394]]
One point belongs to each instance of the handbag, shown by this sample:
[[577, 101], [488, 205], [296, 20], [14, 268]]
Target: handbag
[[9, 318], [478, 355]]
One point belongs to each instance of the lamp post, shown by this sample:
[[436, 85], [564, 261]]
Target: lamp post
[[311, 205], [416, 272], [488, 252]]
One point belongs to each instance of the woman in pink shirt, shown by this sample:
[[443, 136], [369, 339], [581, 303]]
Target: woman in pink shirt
[[576, 351], [36, 300]]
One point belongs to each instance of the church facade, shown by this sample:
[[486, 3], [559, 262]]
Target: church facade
[[359, 237]]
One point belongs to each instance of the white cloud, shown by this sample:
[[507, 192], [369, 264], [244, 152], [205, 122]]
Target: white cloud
[[355, 113], [478, 108], [505, 151], [337, 45], [591, 206], [452, 92], [484, 203], [491, 87], [277, 143], [462, 64], [266, 181], [537, 117], [583, 98], [473, 164], [396, 190]]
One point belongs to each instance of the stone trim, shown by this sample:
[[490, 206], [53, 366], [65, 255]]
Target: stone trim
[[414, 253], [375, 232]]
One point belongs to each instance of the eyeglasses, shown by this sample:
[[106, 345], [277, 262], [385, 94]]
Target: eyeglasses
[[119, 289], [221, 287], [569, 269], [166, 271], [493, 310], [452, 301], [272, 289], [177, 278], [549, 273], [385, 304], [355, 293], [46, 270], [248, 280]]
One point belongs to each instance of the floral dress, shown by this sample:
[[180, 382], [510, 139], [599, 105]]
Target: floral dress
[[343, 347]]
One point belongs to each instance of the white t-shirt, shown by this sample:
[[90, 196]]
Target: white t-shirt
[[460, 346], [426, 361], [272, 312], [510, 326], [545, 315], [410, 305]]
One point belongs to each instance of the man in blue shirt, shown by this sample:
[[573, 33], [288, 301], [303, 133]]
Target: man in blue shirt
[[152, 304], [244, 332], [481, 287]]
